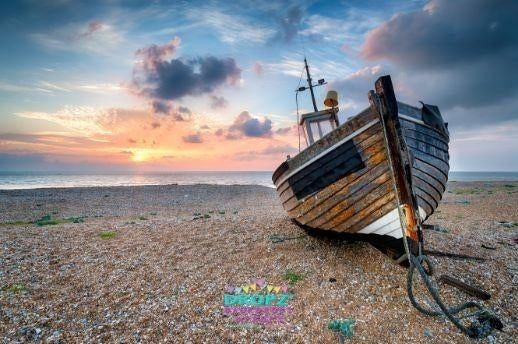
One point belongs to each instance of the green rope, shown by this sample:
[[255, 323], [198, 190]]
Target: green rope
[[487, 320], [274, 238]]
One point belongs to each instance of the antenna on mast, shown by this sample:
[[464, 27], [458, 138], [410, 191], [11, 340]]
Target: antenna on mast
[[310, 85]]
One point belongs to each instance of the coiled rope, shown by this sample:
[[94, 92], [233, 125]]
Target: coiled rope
[[486, 319]]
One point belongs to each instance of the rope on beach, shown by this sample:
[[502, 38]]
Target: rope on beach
[[275, 238], [486, 319]]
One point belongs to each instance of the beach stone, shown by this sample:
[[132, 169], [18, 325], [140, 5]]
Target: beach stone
[[54, 338], [30, 332]]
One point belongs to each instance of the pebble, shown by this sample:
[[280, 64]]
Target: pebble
[[165, 278]]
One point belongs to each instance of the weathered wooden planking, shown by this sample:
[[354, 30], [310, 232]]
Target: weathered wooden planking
[[428, 140], [350, 195], [431, 171], [345, 210], [425, 178], [375, 210], [370, 218], [362, 140], [422, 147], [424, 201], [280, 171], [409, 110], [429, 148], [331, 195], [372, 156], [430, 191], [399, 157], [330, 139], [347, 155], [431, 200], [367, 135], [328, 171], [407, 125], [431, 160], [366, 149]]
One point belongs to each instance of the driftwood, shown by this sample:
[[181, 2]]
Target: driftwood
[[435, 228], [468, 289], [453, 255]]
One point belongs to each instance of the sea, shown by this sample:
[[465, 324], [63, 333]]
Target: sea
[[33, 180]]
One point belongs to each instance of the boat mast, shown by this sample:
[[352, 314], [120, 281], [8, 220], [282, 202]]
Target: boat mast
[[310, 85]]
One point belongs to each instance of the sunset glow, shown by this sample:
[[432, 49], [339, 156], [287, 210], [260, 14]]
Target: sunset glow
[[174, 86]]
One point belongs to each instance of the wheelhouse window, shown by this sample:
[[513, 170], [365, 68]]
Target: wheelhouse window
[[316, 125]]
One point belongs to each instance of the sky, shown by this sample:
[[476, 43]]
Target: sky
[[209, 85]]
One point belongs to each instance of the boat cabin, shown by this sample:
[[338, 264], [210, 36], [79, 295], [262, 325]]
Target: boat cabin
[[316, 125]]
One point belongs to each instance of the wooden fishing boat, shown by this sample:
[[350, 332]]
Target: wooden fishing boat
[[375, 177]]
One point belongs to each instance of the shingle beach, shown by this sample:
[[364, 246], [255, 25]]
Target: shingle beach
[[152, 264]]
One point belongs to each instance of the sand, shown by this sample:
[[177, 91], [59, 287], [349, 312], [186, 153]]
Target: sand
[[135, 264]]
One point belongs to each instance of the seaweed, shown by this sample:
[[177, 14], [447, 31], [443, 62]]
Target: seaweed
[[107, 235], [292, 277]]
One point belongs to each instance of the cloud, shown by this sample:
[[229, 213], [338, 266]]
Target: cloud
[[258, 68], [157, 76], [279, 152], [352, 90], [103, 124], [92, 37], [102, 88], [284, 131], [49, 87], [92, 28], [246, 125], [217, 102], [181, 113], [348, 27], [184, 109], [154, 54], [289, 24], [8, 87], [49, 139], [459, 53], [193, 138], [284, 149], [21, 162], [232, 28], [29, 161], [81, 119], [161, 107]]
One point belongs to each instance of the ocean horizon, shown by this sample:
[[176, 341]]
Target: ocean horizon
[[33, 180]]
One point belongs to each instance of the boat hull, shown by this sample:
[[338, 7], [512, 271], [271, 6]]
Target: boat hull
[[429, 147], [345, 182]]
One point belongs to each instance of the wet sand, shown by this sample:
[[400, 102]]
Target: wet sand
[[152, 264]]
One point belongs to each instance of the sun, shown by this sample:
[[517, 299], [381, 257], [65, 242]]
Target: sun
[[140, 156]]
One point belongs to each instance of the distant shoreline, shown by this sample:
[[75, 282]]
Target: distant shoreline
[[44, 180], [100, 187]]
